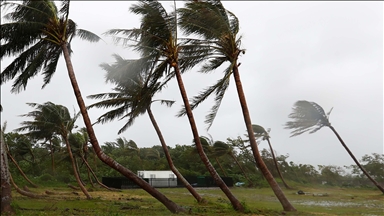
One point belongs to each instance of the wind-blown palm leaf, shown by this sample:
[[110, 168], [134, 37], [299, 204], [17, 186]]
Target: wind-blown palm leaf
[[260, 132], [48, 118], [307, 116], [219, 90], [34, 34], [220, 148], [220, 38], [134, 91]]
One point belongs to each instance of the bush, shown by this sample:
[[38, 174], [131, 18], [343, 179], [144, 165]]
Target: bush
[[46, 177]]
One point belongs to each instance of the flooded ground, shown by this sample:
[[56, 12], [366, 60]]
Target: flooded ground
[[326, 203]]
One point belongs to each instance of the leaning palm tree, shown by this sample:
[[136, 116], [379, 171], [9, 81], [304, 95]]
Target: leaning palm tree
[[58, 119], [309, 116], [37, 34], [219, 42], [221, 148], [132, 97], [208, 148], [264, 135], [157, 40]]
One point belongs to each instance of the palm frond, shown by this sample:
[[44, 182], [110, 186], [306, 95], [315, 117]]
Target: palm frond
[[307, 116], [168, 103], [64, 10], [34, 35], [220, 148], [260, 132], [87, 35]]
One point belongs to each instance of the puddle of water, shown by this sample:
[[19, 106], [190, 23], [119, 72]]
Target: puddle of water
[[335, 203]]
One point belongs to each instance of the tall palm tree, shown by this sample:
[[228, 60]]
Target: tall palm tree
[[218, 30], [264, 135], [132, 97], [59, 120], [38, 33], [309, 116], [157, 39]]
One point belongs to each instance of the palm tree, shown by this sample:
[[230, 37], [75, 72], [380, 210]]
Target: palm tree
[[37, 34], [59, 120], [221, 148], [38, 131], [219, 42], [264, 135], [208, 148], [309, 116], [157, 40], [133, 97], [19, 168]]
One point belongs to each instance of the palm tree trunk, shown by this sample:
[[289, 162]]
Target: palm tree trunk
[[277, 166], [23, 192], [356, 161], [88, 169], [18, 167], [20, 170], [221, 167], [52, 157], [78, 171], [241, 168], [287, 206], [6, 195], [234, 201], [169, 159], [170, 205], [94, 175], [79, 182], [90, 178]]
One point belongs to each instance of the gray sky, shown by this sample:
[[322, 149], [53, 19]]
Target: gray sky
[[330, 53]]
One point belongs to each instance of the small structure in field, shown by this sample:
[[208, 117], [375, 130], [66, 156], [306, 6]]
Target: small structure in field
[[159, 178]]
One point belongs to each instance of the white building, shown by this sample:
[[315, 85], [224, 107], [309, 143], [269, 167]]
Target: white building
[[156, 178]]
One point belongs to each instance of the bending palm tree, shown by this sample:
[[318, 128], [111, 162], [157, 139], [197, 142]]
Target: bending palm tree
[[309, 116], [19, 168], [56, 117], [219, 42], [221, 148], [38, 34], [157, 40], [133, 97], [261, 132], [208, 148]]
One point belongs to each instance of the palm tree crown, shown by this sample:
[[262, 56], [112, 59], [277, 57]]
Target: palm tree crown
[[48, 118], [221, 43], [35, 33], [133, 93], [307, 116]]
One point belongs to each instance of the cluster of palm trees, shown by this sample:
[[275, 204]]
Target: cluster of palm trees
[[38, 33]]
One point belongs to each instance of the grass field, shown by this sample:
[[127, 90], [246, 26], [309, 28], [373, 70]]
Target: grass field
[[316, 201]]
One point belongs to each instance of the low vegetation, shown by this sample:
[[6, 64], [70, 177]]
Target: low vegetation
[[316, 201]]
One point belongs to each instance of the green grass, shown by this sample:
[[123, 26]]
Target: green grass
[[337, 201]]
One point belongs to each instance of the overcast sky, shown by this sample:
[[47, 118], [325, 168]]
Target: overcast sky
[[330, 53]]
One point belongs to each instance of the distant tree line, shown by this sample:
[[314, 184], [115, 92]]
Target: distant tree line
[[34, 158]]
